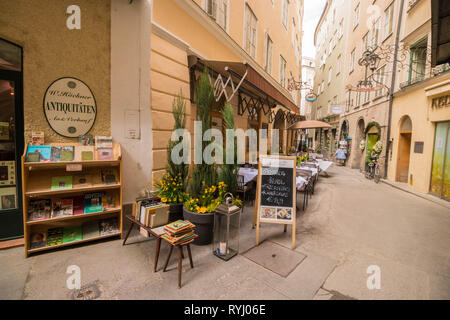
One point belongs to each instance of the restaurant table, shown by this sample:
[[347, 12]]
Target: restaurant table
[[249, 174], [324, 165]]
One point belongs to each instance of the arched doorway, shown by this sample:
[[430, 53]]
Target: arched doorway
[[11, 140], [404, 149], [279, 124], [358, 159]]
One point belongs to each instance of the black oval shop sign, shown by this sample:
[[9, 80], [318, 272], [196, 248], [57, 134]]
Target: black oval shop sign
[[70, 107]]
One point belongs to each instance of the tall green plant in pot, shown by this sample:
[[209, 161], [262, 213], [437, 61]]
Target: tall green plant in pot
[[229, 171], [204, 176], [172, 187]]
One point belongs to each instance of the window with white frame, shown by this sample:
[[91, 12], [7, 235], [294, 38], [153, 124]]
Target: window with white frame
[[352, 60], [222, 13], [356, 16], [329, 107], [341, 28], [388, 21], [330, 75], [380, 79], [366, 97], [358, 99], [268, 54], [283, 66], [373, 42], [250, 31], [285, 13], [211, 8], [364, 42]]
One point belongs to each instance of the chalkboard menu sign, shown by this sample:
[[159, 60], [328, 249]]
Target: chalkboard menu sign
[[276, 183], [276, 192]]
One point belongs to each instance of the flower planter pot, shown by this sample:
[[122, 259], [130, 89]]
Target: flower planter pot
[[204, 225], [175, 212]]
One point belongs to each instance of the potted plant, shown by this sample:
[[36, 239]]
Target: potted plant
[[172, 192], [172, 186], [198, 208]]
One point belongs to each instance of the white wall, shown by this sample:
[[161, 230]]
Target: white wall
[[130, 90]]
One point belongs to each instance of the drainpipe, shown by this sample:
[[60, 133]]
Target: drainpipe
[[391, 93]]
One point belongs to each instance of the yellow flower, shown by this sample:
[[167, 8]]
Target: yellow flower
[[163, 199], [202, 210]]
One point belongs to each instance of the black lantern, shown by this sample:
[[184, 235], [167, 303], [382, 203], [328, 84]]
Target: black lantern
[[227, 221]]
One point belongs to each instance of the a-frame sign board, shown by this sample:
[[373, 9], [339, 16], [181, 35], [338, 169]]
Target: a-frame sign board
[[276, 193]]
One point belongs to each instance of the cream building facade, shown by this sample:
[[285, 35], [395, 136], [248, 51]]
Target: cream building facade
[[331, 58], [420, 126], [263, 36], [365, 119]]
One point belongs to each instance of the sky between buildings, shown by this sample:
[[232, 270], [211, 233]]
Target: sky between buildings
[[313, 11]]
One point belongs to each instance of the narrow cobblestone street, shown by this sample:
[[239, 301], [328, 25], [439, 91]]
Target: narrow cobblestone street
[[350, 224]]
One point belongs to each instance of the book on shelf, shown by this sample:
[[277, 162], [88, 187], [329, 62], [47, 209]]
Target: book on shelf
[[38, 240], [39, 209], [108, 176], [54, 236], [105, 154], [90, 229], [71, 234], [86, 140], [62, 207], [82, 181], [108, 201], [61, 182], [38, 153], [84, 153], [108, 226], [78, 205], [37, 138], [93, 202], [103, 142], [62, 153], [67, 153]]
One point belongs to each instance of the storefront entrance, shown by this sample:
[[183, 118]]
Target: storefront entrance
[[404, 150], [440, 174], [11, 141]]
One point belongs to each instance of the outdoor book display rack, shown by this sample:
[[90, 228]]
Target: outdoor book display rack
[[37, 181]]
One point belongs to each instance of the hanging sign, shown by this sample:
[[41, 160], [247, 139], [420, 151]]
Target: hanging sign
[[336, 109], [276, 192], [70, 107], [311, 97]]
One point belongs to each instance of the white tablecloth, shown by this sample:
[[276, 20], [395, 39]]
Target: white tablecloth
[[300, 182], [324, 165], [313, 170], [248, 173]]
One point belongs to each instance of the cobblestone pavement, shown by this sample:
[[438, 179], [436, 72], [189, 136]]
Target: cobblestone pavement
[[349, 225]]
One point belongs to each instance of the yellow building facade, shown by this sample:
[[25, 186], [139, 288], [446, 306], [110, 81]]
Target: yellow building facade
[[420, 136], [264, 37]]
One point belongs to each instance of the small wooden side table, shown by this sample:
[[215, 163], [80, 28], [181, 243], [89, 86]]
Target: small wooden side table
[[180, 257], [150, 231]]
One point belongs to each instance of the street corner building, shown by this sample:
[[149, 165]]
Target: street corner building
[[126, 61]]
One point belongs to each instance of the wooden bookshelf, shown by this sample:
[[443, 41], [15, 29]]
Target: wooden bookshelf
[[36, 181]]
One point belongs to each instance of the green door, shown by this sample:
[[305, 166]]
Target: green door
[[440, 173], [11, 141], [372, 138]]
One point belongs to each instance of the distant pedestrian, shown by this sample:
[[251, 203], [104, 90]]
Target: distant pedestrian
[[341, 154]]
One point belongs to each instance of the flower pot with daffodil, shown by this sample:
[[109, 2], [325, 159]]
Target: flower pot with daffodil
[[200, 210], [172, 192]]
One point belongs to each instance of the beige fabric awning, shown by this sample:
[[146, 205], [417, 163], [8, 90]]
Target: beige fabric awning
[[309, 124]]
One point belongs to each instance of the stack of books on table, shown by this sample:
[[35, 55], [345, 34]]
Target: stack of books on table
[[179, 232]]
